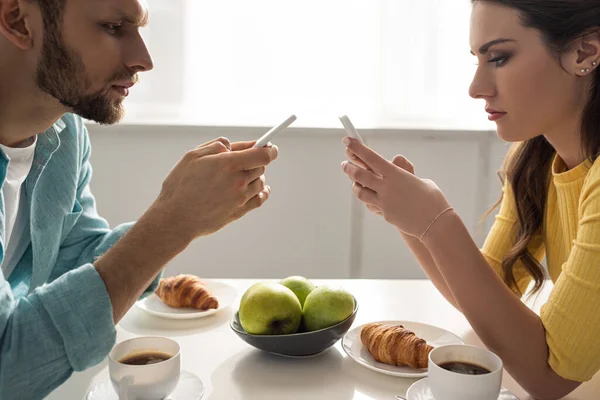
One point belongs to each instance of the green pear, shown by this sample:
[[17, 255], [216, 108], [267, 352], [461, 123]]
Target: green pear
[[268, 308], [326, 306], [299, 285]]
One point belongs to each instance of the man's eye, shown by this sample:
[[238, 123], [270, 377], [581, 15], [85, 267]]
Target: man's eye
[[113, 29]]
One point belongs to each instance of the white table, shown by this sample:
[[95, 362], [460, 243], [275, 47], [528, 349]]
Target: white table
[[231, 369]]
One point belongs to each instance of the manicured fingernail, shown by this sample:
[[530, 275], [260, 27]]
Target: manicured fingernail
[[344, 163], [346, 141]]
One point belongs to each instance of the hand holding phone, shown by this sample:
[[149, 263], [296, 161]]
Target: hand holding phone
[[350, 129], [353, 133], [262, 142]]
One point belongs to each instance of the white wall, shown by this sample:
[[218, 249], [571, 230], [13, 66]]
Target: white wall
[[311, 225]]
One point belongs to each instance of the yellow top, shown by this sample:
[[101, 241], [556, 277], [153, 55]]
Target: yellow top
[[570, 241]]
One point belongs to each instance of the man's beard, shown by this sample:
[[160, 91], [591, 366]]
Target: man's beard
[[62, 74]]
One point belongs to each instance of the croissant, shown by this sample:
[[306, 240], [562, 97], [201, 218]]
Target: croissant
[[186, 291], [395, 345]]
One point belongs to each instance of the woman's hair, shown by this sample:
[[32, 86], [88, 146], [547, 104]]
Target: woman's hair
[[526, 167]]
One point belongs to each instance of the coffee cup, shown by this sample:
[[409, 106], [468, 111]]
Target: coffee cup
[[464, 372], [145, 368]]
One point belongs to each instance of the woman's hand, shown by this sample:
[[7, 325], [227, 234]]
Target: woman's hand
[[393, 191], [399, 161]]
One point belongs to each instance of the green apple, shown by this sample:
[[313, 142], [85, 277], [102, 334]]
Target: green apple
[[299, 285], [269, 308], [326, 306]]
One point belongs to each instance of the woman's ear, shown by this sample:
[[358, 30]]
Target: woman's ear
[[584, 56]]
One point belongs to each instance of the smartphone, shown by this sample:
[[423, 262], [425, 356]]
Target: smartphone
[[266, 138], [352, 132], [350, 129]]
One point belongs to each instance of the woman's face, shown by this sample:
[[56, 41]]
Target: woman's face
[[526, 88]]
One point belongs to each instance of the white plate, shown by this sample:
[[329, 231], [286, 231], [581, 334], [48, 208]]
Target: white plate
[[190, 387], [224, 293], [433, 335], [420, 391]]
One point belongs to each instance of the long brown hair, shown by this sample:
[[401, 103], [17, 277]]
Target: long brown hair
[[527, 165]]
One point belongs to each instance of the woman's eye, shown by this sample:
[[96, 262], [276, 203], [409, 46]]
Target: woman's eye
[[499, 61]]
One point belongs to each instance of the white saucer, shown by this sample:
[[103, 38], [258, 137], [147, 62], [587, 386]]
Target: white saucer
[[420, 391], [190, 387], [433, 335], [224, 293]]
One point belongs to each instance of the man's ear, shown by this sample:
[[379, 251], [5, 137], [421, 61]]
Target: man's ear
[[584, 57], [15, 22]]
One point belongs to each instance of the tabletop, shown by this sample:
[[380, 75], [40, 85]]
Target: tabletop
[[232, 369]]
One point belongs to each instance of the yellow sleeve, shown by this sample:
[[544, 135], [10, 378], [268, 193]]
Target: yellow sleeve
[[572, 314], [501, 238]]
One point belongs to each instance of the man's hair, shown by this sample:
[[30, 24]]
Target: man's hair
[[52, 12]]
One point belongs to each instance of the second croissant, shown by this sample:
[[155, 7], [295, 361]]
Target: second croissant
[[395, 345]]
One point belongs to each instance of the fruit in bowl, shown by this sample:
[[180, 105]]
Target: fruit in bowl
[[326, 306], [270, 309], [299, 285], [267, 315]]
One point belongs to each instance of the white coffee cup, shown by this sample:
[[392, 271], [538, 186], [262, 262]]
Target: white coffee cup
[[145, 382], [448, 385]]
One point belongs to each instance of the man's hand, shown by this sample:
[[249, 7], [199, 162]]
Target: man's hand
[[210, 187], [214, 185]]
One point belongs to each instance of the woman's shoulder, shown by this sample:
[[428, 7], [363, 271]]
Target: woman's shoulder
[[591, 183], [593, 174]]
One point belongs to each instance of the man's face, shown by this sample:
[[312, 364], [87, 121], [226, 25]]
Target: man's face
[[89, 62]]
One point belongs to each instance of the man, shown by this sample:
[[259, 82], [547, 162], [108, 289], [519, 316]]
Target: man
[[66, 278]]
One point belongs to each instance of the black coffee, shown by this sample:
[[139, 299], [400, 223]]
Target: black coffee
[[464, 368], [145, 358]]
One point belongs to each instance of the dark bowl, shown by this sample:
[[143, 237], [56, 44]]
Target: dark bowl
[[299, 344]]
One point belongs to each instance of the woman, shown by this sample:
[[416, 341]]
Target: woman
[[538, 74]]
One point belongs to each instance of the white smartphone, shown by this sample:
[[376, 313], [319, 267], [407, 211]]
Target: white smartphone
[[352, 132], [350, 129], [266, 138]]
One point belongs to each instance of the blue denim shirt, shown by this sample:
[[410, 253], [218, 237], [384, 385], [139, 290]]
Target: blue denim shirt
[[55, 313]]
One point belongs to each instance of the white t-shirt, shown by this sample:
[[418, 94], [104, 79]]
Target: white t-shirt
[[16, 212]]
